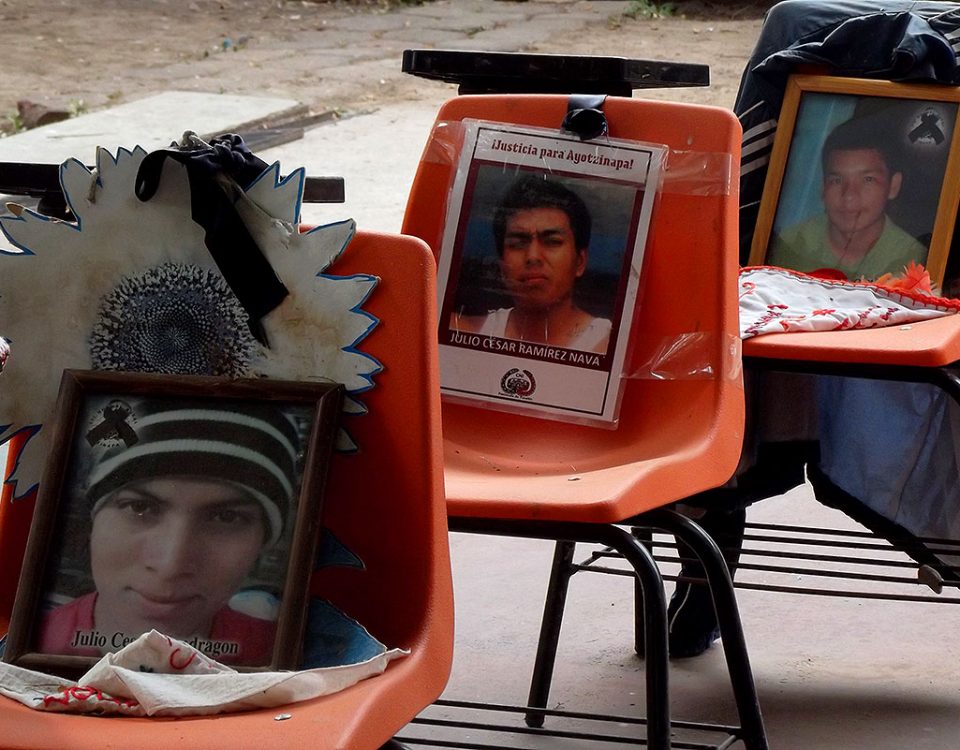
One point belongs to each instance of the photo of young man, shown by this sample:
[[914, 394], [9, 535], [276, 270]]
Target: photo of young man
[[855, 234], [174, 521], [541, 232]]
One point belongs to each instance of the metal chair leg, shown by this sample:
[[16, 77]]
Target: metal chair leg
[[560, 572], [654, 599], [654, 602], [728, 618], [645, 537]]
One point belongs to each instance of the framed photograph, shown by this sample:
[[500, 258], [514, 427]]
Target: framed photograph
[[187, 505], [862, 178], [539, 269]]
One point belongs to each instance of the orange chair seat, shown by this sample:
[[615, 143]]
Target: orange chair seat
[[584, 473], [929, 343]]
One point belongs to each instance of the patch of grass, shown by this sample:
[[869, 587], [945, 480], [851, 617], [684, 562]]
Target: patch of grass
[[650, 9], [77, 107], [13, 123], [644, 9]]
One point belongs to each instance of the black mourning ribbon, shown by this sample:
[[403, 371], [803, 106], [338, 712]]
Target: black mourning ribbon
[[114, 425], [929, 127], [216, 173], [585, 117]]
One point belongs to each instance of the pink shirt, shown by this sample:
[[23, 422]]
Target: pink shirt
[[235, 638]]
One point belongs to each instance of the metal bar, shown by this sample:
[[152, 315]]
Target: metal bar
[[655, 605], [816, 572], [787, 555], [728, 618], [784, 555], [842, 532], [524, 730], [18, 178], [39, 180], [732, 734], [554, 712], [481, 72], [609, 571], [645, 537], [655, 631], [459, 745], [831, 592], [560, 572], [552, 733], [456, 745], [771, 553], [847, 574], [948, 378], [882, 546], [739, 584], [818, 542], [567, 714]]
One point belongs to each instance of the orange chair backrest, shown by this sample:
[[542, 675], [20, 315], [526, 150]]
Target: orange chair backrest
[[385, 503], [694, 403]]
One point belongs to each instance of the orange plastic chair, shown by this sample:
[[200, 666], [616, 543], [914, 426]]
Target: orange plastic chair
[[677, 435], [386, 504]]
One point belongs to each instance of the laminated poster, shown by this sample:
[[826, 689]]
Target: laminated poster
[[540, 267]]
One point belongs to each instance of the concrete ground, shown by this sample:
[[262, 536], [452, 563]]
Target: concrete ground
[[832, 672]]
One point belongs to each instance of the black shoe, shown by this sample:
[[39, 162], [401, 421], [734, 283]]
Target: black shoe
[[691, 621]]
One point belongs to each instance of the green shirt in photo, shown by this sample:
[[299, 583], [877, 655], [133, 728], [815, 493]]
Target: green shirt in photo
[[805, 247]]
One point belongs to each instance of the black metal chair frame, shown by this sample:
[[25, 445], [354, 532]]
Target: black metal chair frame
[[564, 566], [42, 181], [652, 623]]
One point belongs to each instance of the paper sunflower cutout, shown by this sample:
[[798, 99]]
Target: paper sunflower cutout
[[173, 318], [130, 285]]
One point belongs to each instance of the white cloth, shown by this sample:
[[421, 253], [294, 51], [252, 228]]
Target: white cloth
[[160, 676], [589, 339], [775, 300]]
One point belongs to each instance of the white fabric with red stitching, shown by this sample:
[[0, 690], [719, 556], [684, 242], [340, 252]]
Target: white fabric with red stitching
[[775, 300], [160, 676]]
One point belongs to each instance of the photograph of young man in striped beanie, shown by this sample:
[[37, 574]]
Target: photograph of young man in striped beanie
[[181, 506]]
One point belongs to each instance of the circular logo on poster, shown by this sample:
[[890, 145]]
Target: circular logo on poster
[[520, 383]]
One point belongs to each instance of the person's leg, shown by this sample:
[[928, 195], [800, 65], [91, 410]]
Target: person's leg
[[691, 619], [778, 467]]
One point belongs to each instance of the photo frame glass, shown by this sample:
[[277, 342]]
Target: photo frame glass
[[184, 505], [859, 180], [540, 267]]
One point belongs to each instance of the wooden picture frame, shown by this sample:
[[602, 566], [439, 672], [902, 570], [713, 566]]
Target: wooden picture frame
[[171, 496], [813, 214]]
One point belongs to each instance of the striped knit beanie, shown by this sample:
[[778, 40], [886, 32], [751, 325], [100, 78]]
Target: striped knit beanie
[[249, 446]]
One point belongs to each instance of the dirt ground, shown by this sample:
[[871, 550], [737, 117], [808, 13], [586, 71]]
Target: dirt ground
[[81, 55]]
